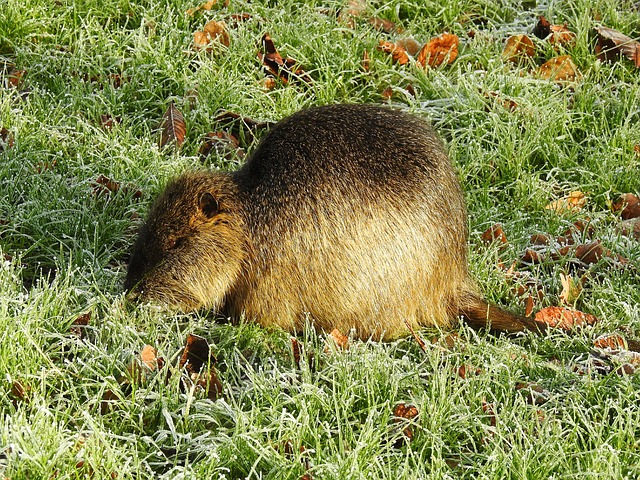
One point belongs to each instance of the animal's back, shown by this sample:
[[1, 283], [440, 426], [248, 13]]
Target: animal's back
[[356, 219]]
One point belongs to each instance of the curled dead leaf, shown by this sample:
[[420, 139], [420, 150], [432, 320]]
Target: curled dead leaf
[[571, 203], [404, 414], [339, 339], [612, 44], [612, 342], [410, 44], [438, 50], [562, 36], [397, 52], [628, 205], [564, 318], [195, 357], [518, 48], [543, 28], [571, 289], [496, 234], [6, 139], [559, 69], [284, 68]]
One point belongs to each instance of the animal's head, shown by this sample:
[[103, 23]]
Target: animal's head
[[191, 248]]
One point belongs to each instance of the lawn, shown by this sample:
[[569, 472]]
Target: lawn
[[92, 386]]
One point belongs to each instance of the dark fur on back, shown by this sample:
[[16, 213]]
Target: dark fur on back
[[349, 215]]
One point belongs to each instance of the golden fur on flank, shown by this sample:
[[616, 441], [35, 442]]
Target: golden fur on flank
[[349, 215]]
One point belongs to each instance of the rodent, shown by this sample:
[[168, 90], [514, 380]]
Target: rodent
[[349, 215]]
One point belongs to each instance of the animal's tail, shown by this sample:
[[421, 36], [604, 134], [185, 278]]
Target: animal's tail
[[480, 314]]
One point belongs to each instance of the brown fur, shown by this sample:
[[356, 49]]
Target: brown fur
[[348, 215]]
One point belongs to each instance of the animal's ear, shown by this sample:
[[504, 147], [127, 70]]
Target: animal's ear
[[208, 205]]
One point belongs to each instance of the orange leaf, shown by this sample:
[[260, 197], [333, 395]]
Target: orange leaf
[[217, 31], [339, 339], [562, 36], [613, 342], [173, 127], [517, 48], [564, 318], [571, 203], [397, 52], [494, 233], [438, 50], [559, 69]]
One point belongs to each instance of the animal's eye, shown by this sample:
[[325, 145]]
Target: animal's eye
[[174, 243]]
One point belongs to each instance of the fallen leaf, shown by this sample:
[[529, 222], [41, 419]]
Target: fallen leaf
[[542, 29], [571, 289], [195, 357], [612, 342], [296, 349], [559, 69], [532, 257], [612, 44], [591, 252], [366, 61], [562, 36], [149, 358], [205, 6], [274, 64], [20, 392], [505, 103], [411, 46], [13, 78], [223, 144], [540, 239], [466, 370], [405, 414], [397, 52], [387, 93], [530, 305], [625, 369], [518, 48], [354, 9], [534, 393], [382, 24], [108, 121], [571, 203], [212, 32], [495, 234], [173, 127], [438, 50], [235, 19], [79, 325], [339, 339], [631, 228], [489, 410], [628, 205], [564, 318], [104, 185], [421, 343], [6, 139]]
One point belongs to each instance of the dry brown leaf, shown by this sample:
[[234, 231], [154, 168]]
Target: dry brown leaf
[[411, 46], [571, 203], [612, 44], [366, 61], [79, 324], [495, 233], [205, 6], [542, 29], [108, 121], [286, 69], [518, 48], [104, 186], [559, 69], [564, 318], [631, 228], [217, 31], [173, 126], [591, 252], [387, 93], [397, 52], [6, 139], [416, 336], [612, 342], [628, 205], [194, 359], [382, 24], [13, 78], [562, 36], [223, 144], [438, 50], [20, 392], [571, 289], [505, 103], [404, 414], [353, 10], [529, 306]]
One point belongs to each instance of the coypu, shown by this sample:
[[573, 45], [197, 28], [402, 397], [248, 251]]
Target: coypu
[[350, 215]]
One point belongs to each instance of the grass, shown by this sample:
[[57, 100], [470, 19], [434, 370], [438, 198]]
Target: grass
[[330, 415]]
